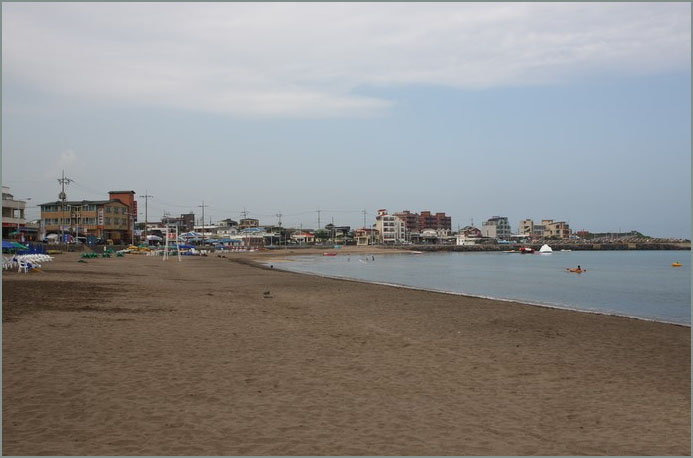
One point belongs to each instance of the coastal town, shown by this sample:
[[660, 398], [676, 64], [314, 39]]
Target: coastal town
[[117, 219], [346, 229]]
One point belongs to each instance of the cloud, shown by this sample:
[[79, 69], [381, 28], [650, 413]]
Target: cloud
[[313, 60], [67, 160]]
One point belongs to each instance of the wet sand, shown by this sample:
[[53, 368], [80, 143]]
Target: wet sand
[[136, 356]]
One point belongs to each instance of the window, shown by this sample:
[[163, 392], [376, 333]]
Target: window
[[108, 220], [108, 209]]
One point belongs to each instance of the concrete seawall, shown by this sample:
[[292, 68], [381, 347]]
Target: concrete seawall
[[555, 247]]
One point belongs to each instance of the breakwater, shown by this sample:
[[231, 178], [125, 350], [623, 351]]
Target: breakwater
[[585, 246]]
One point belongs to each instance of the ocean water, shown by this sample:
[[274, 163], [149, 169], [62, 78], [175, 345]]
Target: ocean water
[[640, 284]]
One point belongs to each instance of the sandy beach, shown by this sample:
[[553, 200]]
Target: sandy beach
[[136, 356]]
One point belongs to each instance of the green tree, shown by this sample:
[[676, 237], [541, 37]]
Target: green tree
[[322, 235]]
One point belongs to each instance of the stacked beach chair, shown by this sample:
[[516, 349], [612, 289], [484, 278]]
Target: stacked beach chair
[[25, 263]]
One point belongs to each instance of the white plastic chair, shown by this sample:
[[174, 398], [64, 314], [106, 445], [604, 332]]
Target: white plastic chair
[[23, 266]]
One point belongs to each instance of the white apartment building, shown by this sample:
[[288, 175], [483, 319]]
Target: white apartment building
[[496, 227], [391, 229]]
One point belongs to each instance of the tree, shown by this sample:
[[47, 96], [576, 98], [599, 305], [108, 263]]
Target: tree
[[322, 235]]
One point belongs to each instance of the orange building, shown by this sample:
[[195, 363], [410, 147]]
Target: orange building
[[109, 219], [106, 219], [128, 198]]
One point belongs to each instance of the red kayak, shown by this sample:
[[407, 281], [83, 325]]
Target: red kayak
[[329, 254]]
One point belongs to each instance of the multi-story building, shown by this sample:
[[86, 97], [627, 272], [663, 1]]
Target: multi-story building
[[468, 235], [553, 228], [128, 198], [366, 236], [496, 227], [13, 218], [416, 223], [411, 220], [438, 221], [187, 221], [526, 227], [106, 219], [246, 223], [391, 228], [538, 231], [172, 222], [547, 228]]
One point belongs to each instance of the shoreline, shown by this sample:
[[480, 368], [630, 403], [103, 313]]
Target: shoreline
[[264, 263], [225, 356], [491, 298]]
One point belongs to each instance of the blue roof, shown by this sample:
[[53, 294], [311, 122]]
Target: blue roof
[[254, 229]]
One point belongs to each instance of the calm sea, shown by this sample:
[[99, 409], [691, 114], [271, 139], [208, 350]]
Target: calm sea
[[640, 284]]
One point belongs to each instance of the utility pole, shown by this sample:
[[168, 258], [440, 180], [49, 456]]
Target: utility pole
[[62, 196], [203, 221], [364, 218], [279, 223], [22, 215], [318, 219], [146, 199]]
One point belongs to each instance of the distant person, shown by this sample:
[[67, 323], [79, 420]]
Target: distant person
[[579, 268]]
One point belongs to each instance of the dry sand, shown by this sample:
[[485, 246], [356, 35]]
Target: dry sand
[[135, 356]]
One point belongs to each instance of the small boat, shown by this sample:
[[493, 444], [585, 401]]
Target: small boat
[[566, 250], [526, 250], [545, 249], [676, 264], [329, 254]]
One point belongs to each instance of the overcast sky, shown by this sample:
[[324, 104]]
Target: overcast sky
[[576, 111]]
